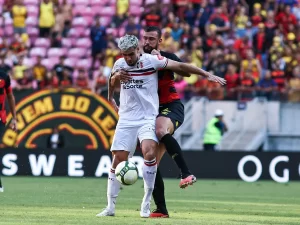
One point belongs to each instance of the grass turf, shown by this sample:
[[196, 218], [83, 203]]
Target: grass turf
[[45, 201]]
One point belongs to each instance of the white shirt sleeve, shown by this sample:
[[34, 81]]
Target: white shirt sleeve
[[117, 66], [158, 62]]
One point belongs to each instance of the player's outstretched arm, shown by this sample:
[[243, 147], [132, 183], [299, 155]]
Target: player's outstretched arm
[[177, 66]]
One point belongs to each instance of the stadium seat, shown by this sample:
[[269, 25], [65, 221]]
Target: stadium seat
[[1, 21], [77, 52], [89, 20], [112, 31], [32, 11], [86, 33], [29, 61], [79, 22], [56, 52], [67, 42], [32, 21], [32, 31], [149, 2], [122, 31], [38, 51], [77, 11], [49, 63], [76, 32], [105, 21], [8, 21], [1, 2], [68, 1], [136, 10], [87, 12], [136, 2], [31, 2], [83, 43], [97, 3], [83, 3], [84, 63], [70, 62], [8, 31], [42, 42], [1, 32], [108, 11]]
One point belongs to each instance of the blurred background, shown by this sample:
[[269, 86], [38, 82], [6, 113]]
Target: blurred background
[[254, 45]]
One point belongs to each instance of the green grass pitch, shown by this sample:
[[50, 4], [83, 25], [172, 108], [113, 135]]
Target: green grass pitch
[[64, 201]]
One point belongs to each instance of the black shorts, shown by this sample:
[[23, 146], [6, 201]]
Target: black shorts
[[174, 111], [2, 130]]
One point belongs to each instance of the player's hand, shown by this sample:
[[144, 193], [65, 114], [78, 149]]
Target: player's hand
[[122, 75], [114, 104], [13, 125], [155, 52], [216, 79]]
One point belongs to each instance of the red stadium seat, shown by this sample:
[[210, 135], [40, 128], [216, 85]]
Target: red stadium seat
[[76, 32], [42, 42], [77, 52], [83, 43], [38, 51], [97, 3], [87, 12], [77, 11], [81, 2], [122, 31], [32, 11], [149, 2], [50, 62], [32, 21], [8, 21], [56, 52], [105, 21], [112, 31]]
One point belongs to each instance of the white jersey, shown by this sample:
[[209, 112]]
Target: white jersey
[[139, 96]]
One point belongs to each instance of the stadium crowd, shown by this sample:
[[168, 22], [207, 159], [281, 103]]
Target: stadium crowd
[[254, 45]]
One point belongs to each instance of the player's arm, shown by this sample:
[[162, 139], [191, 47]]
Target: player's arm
[[184, 67], [11, 103], [175, 58]]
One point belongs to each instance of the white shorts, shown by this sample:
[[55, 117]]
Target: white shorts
[[128, 133]]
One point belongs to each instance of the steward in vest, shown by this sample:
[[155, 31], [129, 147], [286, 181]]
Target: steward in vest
[[214, 131]]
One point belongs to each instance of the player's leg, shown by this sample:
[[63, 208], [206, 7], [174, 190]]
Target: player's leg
[[166, 123], [122, 140], [159, 189], [149, 144]]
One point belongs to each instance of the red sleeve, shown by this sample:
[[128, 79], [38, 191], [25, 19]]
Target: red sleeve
[[8, 88], [294, 20]]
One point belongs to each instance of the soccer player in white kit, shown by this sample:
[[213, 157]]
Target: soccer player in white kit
[[139, 104]]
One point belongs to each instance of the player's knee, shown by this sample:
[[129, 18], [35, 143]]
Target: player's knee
[[150, 151], [160, 132], [119, 156]]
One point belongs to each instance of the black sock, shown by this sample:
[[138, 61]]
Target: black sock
[[159, 193], [174, 151]]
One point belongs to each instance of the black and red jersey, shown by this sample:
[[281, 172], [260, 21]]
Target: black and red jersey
[[166, 89], [5, 88]]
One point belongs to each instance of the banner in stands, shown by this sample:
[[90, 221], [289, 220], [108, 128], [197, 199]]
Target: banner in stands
[[85, 120], [250, 167]]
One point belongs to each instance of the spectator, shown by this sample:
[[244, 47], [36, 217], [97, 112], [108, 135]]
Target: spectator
[[111, 54], [232, 79], [294, 86], [176, 32], [190, 14], [180, 85], [18, 47], [66, 81], [168, 44], [212, 39], [215, 128], [19, 70], [204, 14], [60, 67], [270, 26], [56, 139], [3, 47], [242, 45], [19, 14], [68, 16], [26, 82], [267, 87], [98, 38], [47, 18], [100, 83], [132, 27], [179, 7], [196, 54], [278, 73], [122, 8], [285, 18], [82, 80], [153, 17], [252, 64], [220, 20], [40, 73], [257, 17], [260, 44], [246, 88], [53, 81], [218, 65], [240, 22]]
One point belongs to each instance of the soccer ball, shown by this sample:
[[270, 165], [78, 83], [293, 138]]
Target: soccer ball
[[127, 173]]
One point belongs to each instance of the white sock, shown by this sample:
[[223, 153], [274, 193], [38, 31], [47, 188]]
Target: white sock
[[149, 174], [113, 188]]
